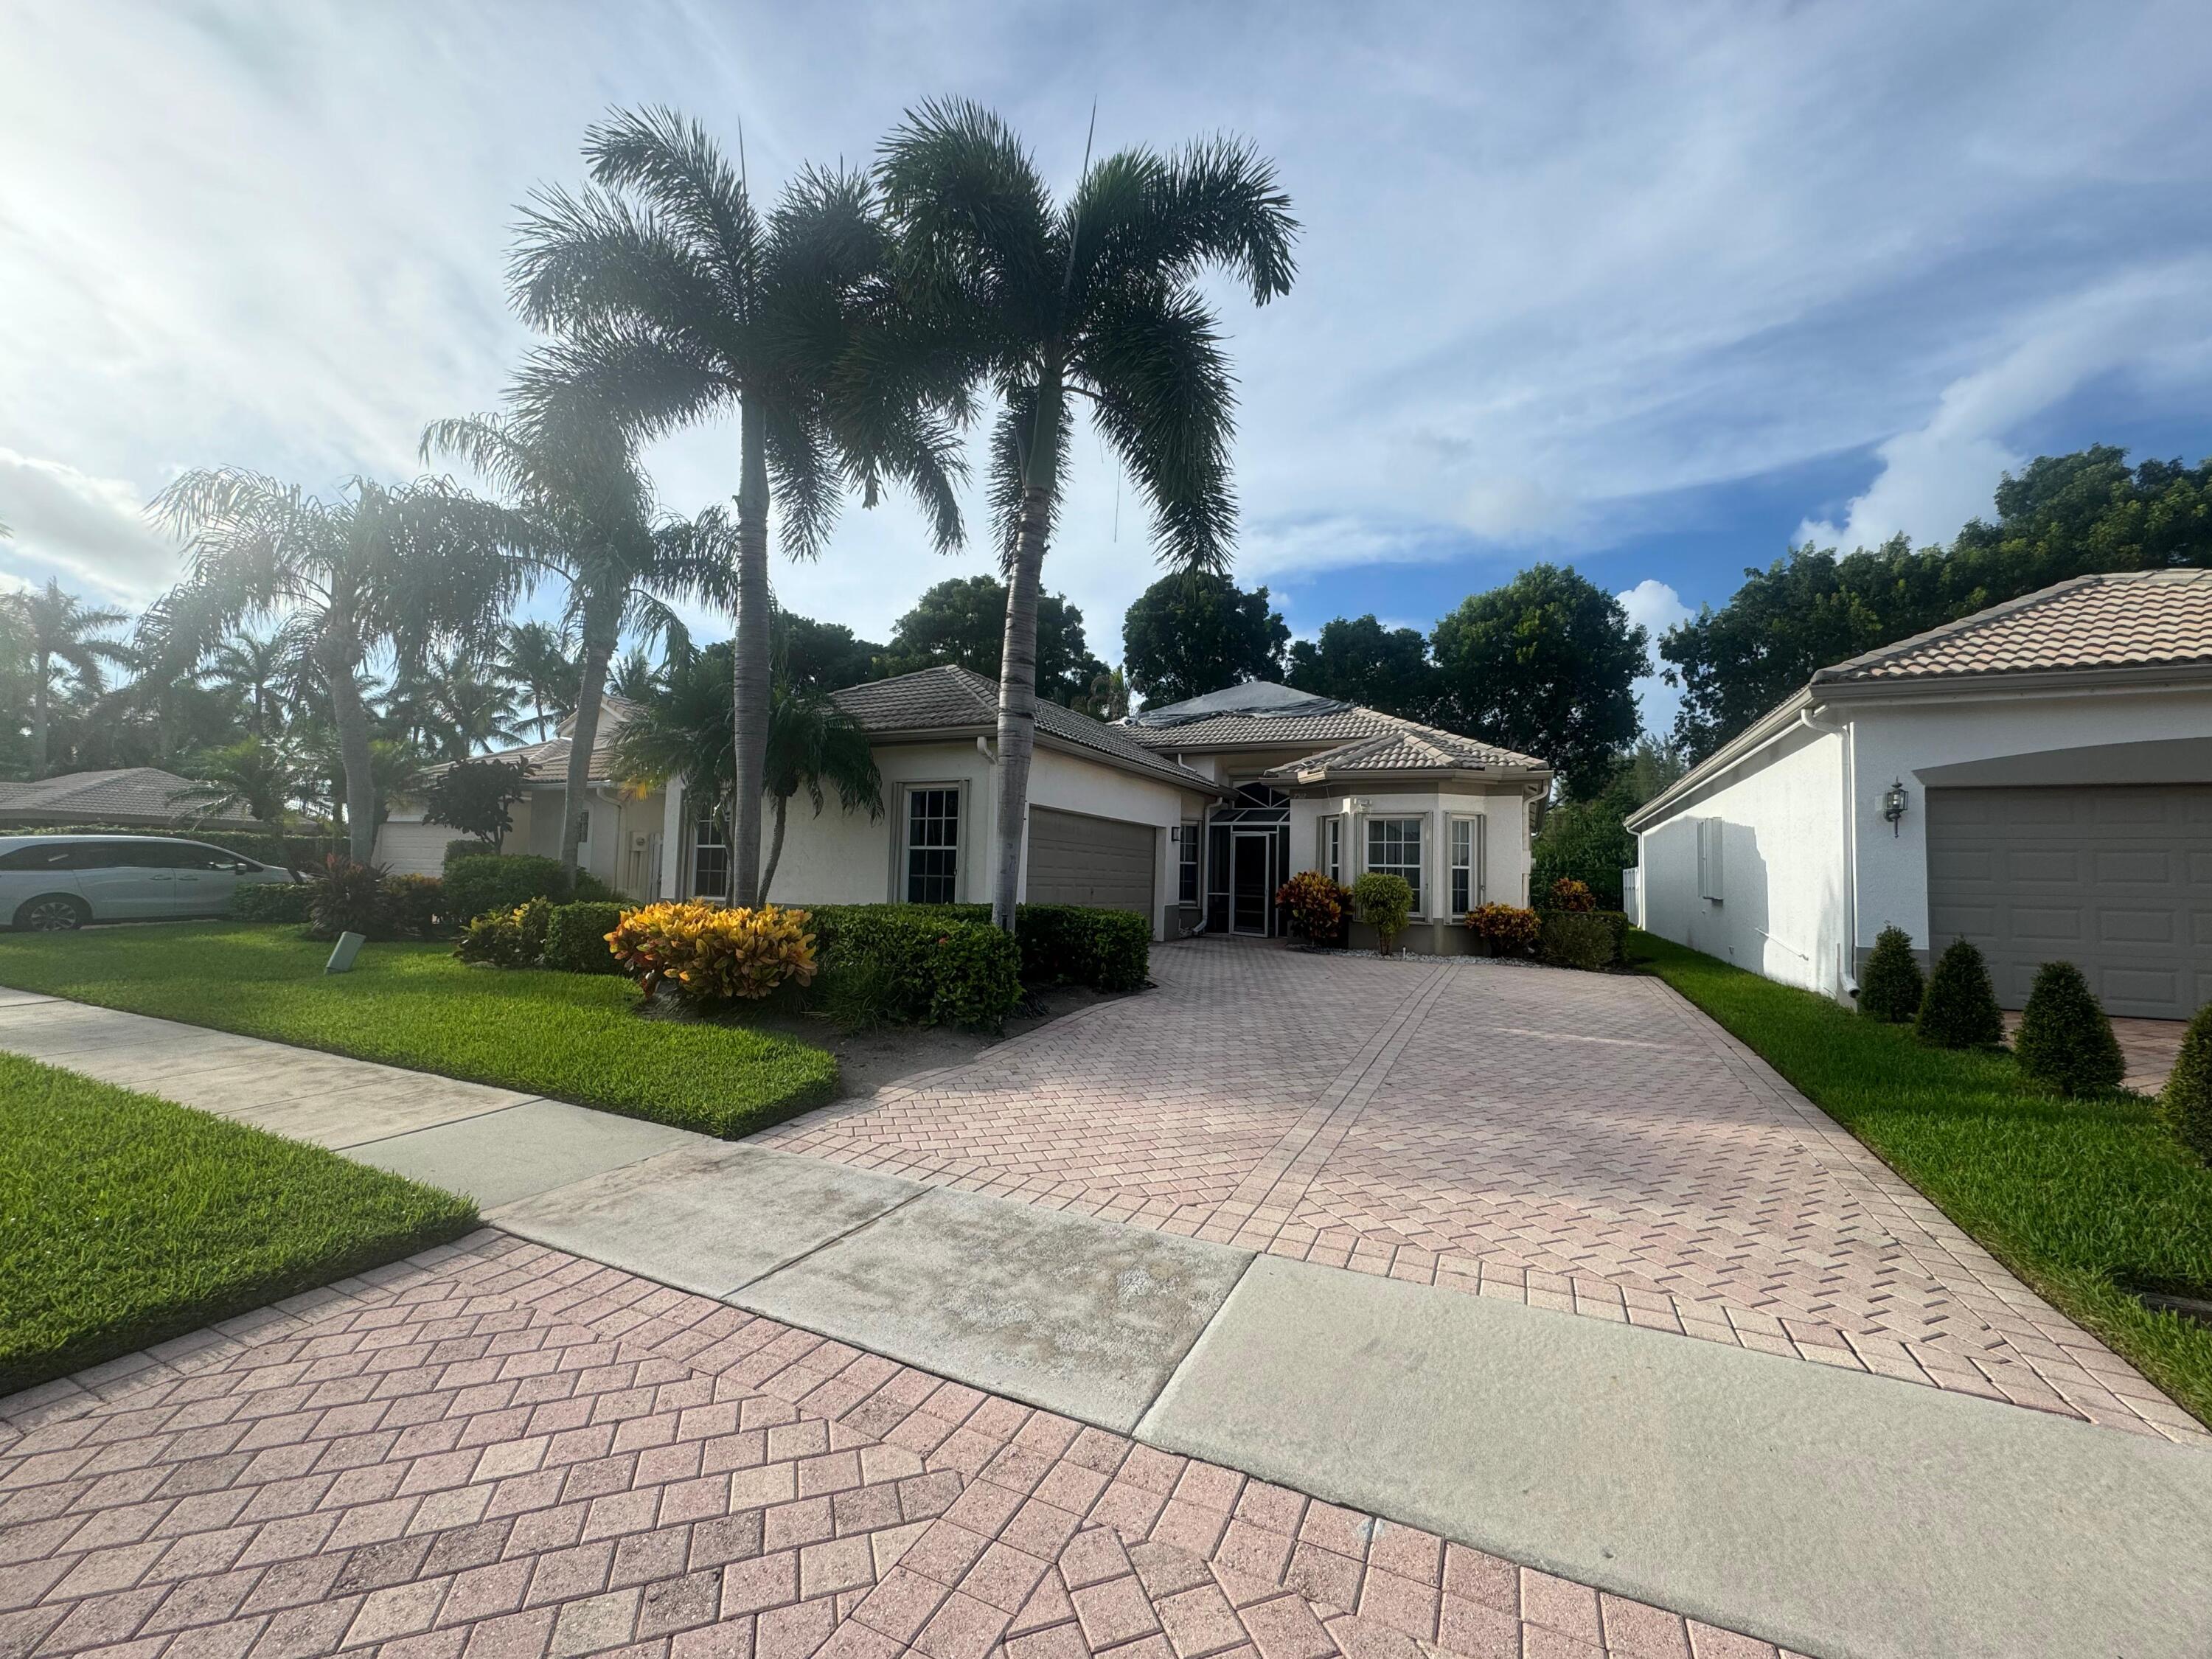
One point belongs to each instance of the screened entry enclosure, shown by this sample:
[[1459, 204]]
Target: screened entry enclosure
[[1248, 849]]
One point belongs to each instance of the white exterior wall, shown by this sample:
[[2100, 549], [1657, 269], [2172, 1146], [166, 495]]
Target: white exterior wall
[[848, 858], [1503, 876], [1783, 867]]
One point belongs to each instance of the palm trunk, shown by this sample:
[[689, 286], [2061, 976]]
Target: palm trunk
[[750, 670], [41, 717], [774, 848], [1017, 664], [353, 750], [599, 647]]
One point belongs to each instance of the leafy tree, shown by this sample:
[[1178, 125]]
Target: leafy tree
[[2063, 516], [1193, 632], [820, 656], [60, 633], [675, 302], [475, 796], [1587, 840], [1358, 660], [962, 622], [1544, 665], [1096, 297], [377, 567]]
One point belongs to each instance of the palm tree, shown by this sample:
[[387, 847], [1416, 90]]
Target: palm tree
[[255, 668], [61, 631], [1097, 298], [535, 657], [261, 775], [681, 729], [675, 302], [380, 566], [577, 506]]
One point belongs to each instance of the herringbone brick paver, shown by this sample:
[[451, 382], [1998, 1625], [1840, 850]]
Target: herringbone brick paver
[[1590, 1142], [497, 1451]]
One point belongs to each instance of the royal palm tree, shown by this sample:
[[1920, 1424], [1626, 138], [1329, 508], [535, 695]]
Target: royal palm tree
[[575, 506], [681, 732], [535, 657], [675, 302], [1095, 298], [60, 631], [380, 567]]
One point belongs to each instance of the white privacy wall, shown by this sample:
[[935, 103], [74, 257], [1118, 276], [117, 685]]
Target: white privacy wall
[[1782, 908]]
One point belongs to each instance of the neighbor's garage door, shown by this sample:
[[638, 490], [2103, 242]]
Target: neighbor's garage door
[[414, 849], [2117, 880], [1106, 863]]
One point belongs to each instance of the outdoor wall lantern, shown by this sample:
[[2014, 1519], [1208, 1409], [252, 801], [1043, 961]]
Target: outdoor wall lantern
[[1893, 804]]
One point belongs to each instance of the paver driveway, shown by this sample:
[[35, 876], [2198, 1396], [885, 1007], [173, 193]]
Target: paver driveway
[[1586, 1142]]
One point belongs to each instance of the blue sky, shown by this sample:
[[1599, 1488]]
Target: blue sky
[[1652, 290]]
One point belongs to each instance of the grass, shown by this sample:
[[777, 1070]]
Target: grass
[[126, 1220], [2086, 1200], [573, 1036]]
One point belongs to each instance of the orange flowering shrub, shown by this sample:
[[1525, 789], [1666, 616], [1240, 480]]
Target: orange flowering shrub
[[1572, 895], [1316, 906], [713, 953], [1508, 929]]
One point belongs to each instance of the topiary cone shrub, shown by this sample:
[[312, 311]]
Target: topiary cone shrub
[[2187, 1101], [1959, 1010], [1891, 987], [2065, 1043]]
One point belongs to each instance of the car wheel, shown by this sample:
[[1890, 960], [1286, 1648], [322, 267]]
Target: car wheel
[[53, 913]]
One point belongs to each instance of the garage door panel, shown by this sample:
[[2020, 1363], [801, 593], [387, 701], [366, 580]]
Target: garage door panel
[[2118, 880], [1102, 863]]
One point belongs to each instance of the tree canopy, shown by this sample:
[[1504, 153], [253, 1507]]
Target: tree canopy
[[1544, 664], [1359, 660], [2061, 516], [962, 622], [1193, 632]]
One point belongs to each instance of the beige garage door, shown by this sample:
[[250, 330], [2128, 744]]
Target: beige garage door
[[2117, 880], [1106, 863]]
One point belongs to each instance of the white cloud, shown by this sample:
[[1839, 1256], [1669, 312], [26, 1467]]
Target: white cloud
[[1936, 476], [89, 528], [1654, 607]]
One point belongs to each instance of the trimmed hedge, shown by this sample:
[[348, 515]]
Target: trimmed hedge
[[483, 882], [290, 901], [1071, 944], [2187, 1101], [1589, 940], [1959, 1010], [576, 937], [2065, 1040], [1891, 989], [926, 964]]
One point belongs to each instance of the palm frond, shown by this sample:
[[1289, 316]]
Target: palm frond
[[676, 165], [965, 197]]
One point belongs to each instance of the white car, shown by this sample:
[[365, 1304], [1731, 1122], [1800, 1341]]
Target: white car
[[49, 884]]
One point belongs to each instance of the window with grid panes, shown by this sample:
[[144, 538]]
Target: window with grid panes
[[932, 845], [1394, 848]]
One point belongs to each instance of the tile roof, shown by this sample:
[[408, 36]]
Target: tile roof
[[1339, 737], [959, 699], [129, 795], [2125, 619], [547, 761]]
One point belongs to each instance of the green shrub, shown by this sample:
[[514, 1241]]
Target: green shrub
[[919, 963], [506, 938], [1073, 944], [576, 937], [1569, 894], [1959, 1010], [1315, 907], [857, 995], [416, 904], [1506, 929], [1891, 989], [2065, 1043], [468, 847], [348, 898], [272, 901], [483, 882], [1579, 939], [2187, 1102], [713, 955], [588, 889], [1385, 902]]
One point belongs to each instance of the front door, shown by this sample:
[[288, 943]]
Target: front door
[[1251, 881]]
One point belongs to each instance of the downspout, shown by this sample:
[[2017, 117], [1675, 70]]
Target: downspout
[[1847, 977]]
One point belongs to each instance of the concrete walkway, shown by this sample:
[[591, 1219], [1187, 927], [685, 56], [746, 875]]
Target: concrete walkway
[[1833, 1512]]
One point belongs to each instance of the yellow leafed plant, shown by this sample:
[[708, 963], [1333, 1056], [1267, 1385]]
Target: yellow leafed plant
[[713, 953]]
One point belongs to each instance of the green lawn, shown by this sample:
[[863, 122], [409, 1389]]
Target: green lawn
[[126, 1220], [2085, 1200], [573, 1036]]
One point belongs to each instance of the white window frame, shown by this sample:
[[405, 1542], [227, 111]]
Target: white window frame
[[903, 848], [1328, 852], [1418, 865], [698, 845], [1478, 839], [1190, 859]]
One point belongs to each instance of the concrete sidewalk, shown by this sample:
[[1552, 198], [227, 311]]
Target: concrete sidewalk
[[1833, 1512]]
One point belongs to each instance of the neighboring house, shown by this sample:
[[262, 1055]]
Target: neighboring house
[[1191, 817], [131, 797], [2036, 777]]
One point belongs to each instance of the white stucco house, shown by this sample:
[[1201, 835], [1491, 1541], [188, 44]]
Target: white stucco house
[[2036, 777], [1192, 814]]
